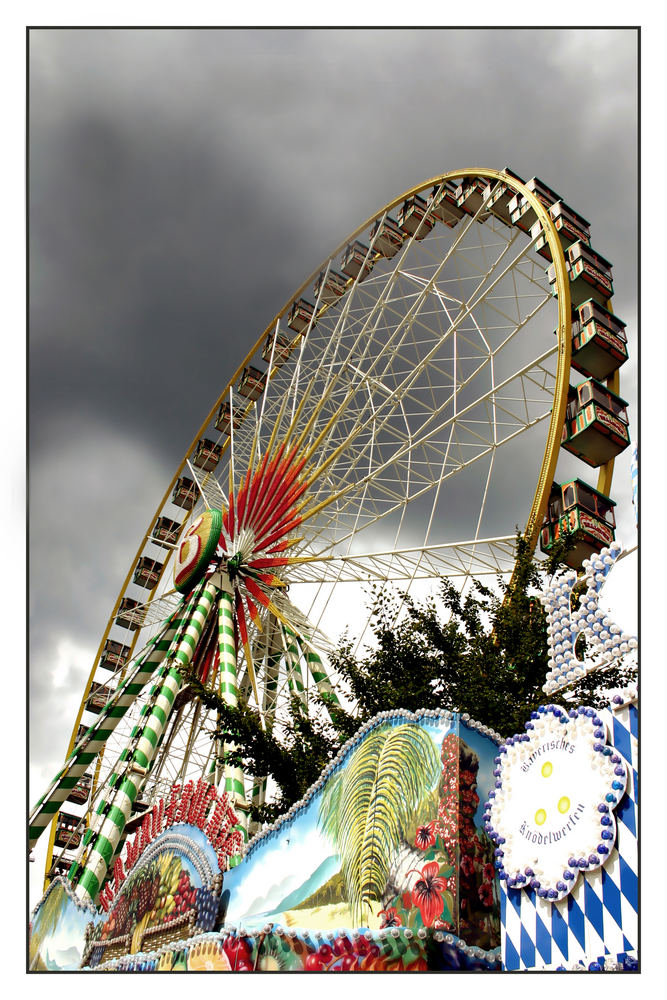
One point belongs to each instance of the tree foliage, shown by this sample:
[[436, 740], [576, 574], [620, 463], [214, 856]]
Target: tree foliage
[[485, 654]]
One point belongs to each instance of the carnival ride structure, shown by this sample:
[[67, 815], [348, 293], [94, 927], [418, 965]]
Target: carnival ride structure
[[460, 346]]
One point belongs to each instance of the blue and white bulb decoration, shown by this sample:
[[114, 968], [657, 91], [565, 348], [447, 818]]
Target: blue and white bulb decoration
[[605, 641], [551, 814]]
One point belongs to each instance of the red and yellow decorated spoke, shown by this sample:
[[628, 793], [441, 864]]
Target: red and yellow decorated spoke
[[258, 528]]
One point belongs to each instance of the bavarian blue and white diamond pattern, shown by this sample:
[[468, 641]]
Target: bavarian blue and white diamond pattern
[[598, 920]]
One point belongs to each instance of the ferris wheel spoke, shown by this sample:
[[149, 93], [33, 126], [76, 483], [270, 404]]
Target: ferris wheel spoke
[[209, 488], [374, 416], [299, 623], [491, 557], [382, 299], [467, 437]]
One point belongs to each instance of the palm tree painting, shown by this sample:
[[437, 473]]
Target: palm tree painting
[[367, 807], [50, 913]]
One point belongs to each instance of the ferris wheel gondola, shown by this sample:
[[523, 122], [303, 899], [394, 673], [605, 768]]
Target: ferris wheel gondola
[[395, 428]]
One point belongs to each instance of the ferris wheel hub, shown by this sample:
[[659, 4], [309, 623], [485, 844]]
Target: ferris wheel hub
[[196, 550]]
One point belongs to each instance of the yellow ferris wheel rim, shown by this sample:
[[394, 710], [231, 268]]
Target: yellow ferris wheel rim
[[552, 447]]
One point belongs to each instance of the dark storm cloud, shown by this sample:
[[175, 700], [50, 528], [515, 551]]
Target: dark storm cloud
[[184, 183]]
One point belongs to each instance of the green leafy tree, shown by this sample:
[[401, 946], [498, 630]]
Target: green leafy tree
[[485, 654]]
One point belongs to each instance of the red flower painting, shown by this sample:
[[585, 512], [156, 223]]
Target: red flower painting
[[390, 917], [425, 836], [467, 865], [426, 892], [485, 893]]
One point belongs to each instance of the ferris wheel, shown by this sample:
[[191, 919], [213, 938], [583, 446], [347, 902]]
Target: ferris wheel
[[393, 423]]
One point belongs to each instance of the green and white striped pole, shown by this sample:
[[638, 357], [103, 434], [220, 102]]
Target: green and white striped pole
[[269, 700], [98, 819], [320, 676], [233, 778], [143, 668], [259, 791], [294, 674], [111, 831]]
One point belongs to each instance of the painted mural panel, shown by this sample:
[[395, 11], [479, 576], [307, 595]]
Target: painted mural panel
[[383, 866], [172, 894], [392, 837], [58, 929], [165, 886]]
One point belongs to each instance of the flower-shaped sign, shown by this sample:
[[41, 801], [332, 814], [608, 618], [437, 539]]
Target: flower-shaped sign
[[552, 812]]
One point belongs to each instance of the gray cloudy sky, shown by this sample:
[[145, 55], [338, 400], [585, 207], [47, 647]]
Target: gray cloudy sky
[[183, 183]]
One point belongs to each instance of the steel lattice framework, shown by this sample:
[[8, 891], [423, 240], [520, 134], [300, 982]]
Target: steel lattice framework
[[427, 400]]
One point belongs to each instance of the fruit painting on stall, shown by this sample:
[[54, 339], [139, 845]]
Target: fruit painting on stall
[[169, 886], [160, 901], [164, 885]]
